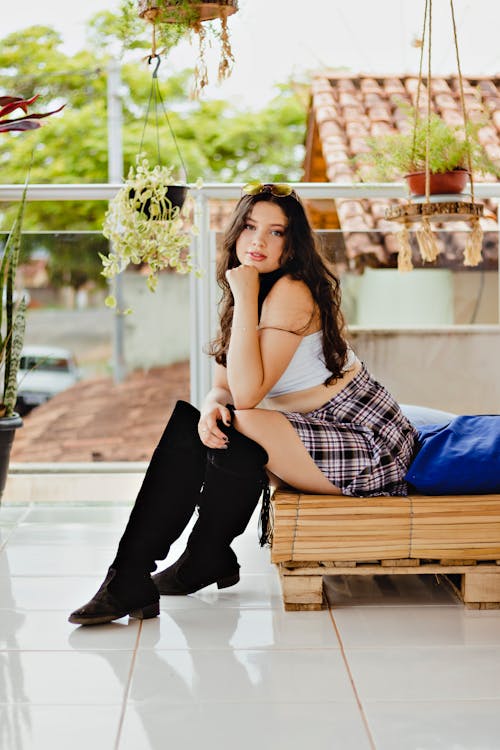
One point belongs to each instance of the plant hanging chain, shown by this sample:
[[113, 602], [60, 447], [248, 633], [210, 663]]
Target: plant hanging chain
[[419, 86], [156, 98], [462, 100]]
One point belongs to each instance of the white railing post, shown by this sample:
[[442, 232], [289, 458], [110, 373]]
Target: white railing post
[[200, 317]]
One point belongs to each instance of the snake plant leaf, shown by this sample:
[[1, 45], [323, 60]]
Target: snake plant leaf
[[5, 264], [17, 339], [13, 249]]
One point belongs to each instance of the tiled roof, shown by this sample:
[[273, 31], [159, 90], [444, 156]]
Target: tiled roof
[[347, 109], [98, 420]]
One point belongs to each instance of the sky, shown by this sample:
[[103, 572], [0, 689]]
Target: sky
[[274, 40]]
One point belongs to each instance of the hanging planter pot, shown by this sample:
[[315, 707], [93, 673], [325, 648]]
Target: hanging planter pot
[[148, 230], [185, 11], [192, 15], [147, 222], [440, 183], [167, 199], [435, 147]]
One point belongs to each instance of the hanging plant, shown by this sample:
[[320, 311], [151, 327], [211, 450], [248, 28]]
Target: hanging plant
[[450, 149], [436, 148], [145, 225], [192, 15], [148, 222]]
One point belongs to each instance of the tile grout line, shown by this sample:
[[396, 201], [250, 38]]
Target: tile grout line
[[127, 688], [351, 679], [3, 545]]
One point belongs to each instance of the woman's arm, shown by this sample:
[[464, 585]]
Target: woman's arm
[[214, 410], [257, 358]]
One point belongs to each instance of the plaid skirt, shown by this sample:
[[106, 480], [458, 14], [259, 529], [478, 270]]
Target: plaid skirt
[[359, 439]]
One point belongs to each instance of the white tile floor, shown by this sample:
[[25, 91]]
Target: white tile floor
[[397, 663]]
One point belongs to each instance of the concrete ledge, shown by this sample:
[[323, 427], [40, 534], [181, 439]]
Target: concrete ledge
[[54, 483], [80, 467]]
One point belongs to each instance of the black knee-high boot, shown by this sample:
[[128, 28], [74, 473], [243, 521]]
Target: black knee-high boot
[[165, 503], [234, 480]]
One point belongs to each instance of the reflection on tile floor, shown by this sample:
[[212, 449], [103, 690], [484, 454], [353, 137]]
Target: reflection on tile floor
[[396, 664]]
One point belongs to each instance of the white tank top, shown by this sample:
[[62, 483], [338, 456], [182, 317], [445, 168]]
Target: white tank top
[[307, 367]]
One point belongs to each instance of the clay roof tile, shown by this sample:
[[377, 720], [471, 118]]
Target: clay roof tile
[[324, 99], [446, 101], [496, 119], [394, 86], [325, 113], [330, 128], [380, 113], [487, 87], [344, 84], [440, 86], [348, 99]]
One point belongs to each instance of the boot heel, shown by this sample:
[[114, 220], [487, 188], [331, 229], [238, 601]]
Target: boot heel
[[224, 583], [144, 613]]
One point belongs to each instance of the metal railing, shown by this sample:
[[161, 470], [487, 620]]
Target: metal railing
[[204, 292]]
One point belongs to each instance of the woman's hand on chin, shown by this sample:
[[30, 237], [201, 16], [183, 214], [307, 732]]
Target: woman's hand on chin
[[243, 279]]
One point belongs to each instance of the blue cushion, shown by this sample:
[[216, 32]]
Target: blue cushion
[[421, 415], [462, 457]]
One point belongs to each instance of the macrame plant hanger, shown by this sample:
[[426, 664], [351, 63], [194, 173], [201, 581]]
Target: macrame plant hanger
[[155, 101], [441, 211], [193, 15]]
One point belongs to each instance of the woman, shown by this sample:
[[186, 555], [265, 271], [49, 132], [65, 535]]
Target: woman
[[325, 425]]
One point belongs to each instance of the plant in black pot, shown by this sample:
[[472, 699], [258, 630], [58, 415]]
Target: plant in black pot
[[148, 223], [12, 311]]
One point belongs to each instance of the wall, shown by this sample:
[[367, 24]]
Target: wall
[[157, 331], [385, 297], [452, 368]]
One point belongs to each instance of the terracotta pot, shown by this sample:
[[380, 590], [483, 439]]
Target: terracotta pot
[[171, 12], [176, 194], [440, 183]]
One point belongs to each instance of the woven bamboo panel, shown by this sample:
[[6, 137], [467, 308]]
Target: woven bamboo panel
[[465, 527], [337, 527], [340, 528]]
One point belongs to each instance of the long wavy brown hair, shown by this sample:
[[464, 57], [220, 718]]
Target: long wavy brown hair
[[300, 260]]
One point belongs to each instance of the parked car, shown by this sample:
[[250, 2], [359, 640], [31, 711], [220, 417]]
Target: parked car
[[43, 372]]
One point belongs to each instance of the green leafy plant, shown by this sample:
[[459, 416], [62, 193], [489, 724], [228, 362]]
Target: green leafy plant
[[144, 227], [450, 148]]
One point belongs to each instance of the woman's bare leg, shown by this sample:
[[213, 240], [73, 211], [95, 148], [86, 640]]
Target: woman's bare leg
[[288, 457]]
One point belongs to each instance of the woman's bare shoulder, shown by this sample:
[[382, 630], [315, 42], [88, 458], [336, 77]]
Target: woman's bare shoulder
[[289, 303], [293, 290]]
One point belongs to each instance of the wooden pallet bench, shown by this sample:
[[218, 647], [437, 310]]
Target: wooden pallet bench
[[317, 535]]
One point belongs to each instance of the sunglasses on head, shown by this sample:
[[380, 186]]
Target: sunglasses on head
[[278, 189]]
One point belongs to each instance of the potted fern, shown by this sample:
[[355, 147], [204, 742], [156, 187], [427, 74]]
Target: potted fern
[[12, 313], [451, 150]]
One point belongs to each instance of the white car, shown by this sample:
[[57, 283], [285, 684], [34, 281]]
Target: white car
[[43, 372]]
